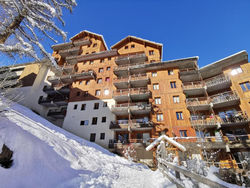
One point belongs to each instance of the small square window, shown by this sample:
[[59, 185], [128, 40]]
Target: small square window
[[78, 93], [84, 122], [87, 53], [170, 72], [92, 137], [126, 47], [155, 86], [176, 99], [102, 61], [87, 82], [98, 92], [132, 46], [96, 106], [93, 52], [85, 93], [109, 58], [95, 44], [83, 107], [100, 70], [157, 100], [151, 52], [245, 86], [106, 92], [105, 104], [94, 121], [91, 62], [75, 107], [104, 119], [107, 79], [173, 84], [179, 115], [81, 82], [183, 133], [159, 117], [108, 68], [99, 80], [102, 136], [154, 74]]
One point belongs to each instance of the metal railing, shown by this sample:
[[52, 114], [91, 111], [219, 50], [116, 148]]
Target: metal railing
[[203, 121], [224, 97], [130, 56], [193, 85], [131, 65], [131, 78], [132, 91], [197, 101], [217, 80]]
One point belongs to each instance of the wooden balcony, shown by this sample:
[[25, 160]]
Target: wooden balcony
[[235, 119], [189, 74], [133, 68], [71, 44], [98, 55], [133, 125], [138, 80], [67, 79], [193, 88], [225, 99], [217, 83], [133, 108], [70, 52], [204, 122], [131, 58], [135, 94], [199, 104]]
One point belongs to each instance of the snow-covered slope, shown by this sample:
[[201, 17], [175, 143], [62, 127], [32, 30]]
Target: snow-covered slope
[[47, 156]]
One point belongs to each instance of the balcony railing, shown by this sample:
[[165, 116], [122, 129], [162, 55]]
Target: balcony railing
[[217, 80], [203, 121], [134, 77], [71, 44], [8, 75], [131, 58], [236, 117], [192, 85], [70, 51], [188, 71], [132, 91], [197, 101], [131, 66], [57, 113], [134, 107], [9, 83], [134, 124], [97, 55], [224, 97]]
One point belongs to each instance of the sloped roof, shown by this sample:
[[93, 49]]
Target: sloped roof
[[92, 34], [138, 40]]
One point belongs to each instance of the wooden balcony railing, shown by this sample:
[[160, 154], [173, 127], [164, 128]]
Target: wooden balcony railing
[[132, 91], [193, 85], [131, 78]]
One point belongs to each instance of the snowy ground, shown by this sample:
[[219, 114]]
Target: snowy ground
[[47, 156]]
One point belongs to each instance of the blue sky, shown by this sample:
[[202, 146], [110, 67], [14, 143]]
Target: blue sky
[[211, 29]]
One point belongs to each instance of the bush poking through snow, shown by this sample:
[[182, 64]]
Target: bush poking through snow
[[5, 157]]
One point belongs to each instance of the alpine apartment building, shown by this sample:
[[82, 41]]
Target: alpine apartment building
[[127, 94]]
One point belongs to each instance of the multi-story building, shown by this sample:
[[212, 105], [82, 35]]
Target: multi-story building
[[129, 95]]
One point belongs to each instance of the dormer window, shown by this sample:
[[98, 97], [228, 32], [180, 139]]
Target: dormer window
[[132, 46]]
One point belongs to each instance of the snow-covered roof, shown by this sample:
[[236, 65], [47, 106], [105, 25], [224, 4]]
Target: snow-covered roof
[[91, 33]]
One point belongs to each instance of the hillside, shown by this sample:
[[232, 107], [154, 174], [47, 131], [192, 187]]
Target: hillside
[[47, 156]]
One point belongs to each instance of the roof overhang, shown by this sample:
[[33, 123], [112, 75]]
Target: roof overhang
[[218, 66]]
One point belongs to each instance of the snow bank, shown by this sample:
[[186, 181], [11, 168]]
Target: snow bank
[[47, 156]]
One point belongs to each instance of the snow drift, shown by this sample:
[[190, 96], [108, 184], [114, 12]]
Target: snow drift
[[47, 156]]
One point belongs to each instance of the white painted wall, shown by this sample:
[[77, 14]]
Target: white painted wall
[[73, 118]]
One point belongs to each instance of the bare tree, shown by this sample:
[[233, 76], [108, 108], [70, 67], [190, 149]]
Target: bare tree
[[25, 23]]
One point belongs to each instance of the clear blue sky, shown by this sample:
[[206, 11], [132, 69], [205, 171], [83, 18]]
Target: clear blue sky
[[211, 29]]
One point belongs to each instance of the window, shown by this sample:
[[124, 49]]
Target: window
[[81, 82], [83, 107], [94, 120], [96, 106], [78, 93], [102, 60], [75, 107], [132, 46], [97, 92], [102, 136], [87, 82], [157, 100], [84, 122], [93, 52], [126, 47], [105, 104], [236, 71], [95, 44], [87, 53], [170, 72], [104, 119], [99, 80], [107, 79], [109, 58], [245, 86], [183, 133], [155, 86], [152, 61], [108, 68], [100, 70], [159, 117], [106, 92], [151, 52], [179, 115], [92, 137], [176, 99], [154, 74], [173, 84], [91, 62], [85, 93]]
